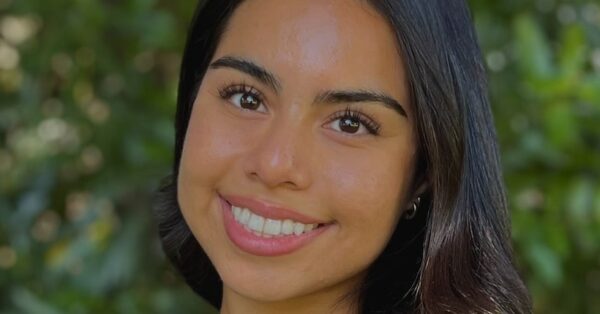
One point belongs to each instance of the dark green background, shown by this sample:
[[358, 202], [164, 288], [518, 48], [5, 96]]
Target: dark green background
[[87, 97]]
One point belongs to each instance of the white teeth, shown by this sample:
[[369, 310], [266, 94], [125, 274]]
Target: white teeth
[[266, 227], [272, 227], [298, 228], [256, 223], [257, 233], [287, 227], [236, 211], [245, 217]]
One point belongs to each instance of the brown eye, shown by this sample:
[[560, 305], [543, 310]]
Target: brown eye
[[349, 125], [247, 101], [353, 122]]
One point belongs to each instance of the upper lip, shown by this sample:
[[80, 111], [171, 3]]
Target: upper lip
[[269, 210]]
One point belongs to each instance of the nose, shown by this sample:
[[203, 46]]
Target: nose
[[280, 158]]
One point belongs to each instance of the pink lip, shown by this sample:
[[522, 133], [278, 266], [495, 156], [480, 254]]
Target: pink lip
[[262, 246], [269, 210]]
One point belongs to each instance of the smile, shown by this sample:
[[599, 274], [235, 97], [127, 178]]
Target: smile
[[267, 227], [275, 231]]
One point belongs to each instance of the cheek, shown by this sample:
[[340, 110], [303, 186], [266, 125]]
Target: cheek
[[211, 143], [364, 190], [367, 189], [210, 149]]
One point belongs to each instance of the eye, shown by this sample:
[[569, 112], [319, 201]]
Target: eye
[[247, 101], [353, 122], [244, 97]]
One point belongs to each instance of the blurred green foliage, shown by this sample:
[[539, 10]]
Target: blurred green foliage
[[87, 97], [544, 61]]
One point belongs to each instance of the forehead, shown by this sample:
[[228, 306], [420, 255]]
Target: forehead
[[345, 42]]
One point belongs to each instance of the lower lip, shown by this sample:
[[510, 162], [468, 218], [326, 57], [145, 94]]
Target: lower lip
[[257, 245]]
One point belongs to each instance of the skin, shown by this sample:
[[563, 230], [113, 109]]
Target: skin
[[290, 152]]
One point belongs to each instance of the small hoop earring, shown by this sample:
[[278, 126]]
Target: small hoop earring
[[412, 211]]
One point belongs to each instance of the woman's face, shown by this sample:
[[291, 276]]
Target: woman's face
[[302, 121]]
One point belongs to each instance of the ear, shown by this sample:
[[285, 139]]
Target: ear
[[420, 187]]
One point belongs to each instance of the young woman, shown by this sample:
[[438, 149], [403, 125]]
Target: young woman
[[338, 156]]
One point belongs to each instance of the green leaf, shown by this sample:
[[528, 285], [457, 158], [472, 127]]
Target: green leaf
[[572, 57], [533, 50], [548, 266], [561, 125]]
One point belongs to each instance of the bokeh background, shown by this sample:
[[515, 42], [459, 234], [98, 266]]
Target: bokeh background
[[87, 98]]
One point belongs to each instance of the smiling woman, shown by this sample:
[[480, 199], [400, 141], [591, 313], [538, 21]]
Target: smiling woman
[[338, 156]]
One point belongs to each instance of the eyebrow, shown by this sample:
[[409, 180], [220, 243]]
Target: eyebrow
[[332, 96], [249, 68], [361, 96]]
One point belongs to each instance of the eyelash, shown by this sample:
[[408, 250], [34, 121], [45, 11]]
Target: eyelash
[[371, 126], [231, 90]]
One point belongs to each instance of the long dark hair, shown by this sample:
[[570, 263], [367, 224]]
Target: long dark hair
[[455, 256]]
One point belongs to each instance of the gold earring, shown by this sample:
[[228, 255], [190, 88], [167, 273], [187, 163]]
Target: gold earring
[[412, 211]]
